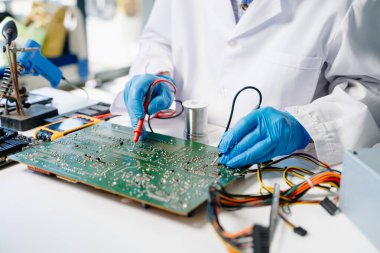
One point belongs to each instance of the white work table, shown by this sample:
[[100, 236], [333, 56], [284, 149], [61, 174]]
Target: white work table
[[42, 214]]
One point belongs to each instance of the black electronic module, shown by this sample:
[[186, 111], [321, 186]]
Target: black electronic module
[[12, 142]]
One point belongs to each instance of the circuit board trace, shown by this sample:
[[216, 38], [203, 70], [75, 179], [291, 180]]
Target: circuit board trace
[[162, 171]]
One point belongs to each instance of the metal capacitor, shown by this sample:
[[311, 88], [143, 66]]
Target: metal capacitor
[[196, 120]]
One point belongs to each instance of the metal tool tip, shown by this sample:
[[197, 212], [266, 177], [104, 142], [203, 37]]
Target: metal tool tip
[[215, 160]]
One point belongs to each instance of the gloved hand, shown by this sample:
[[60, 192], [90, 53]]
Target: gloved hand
[[260, 136], [135, 92]]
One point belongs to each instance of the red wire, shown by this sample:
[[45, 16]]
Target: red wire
[[161, 114], [103, 116], [165, 115], [146, 103], [138, 129]]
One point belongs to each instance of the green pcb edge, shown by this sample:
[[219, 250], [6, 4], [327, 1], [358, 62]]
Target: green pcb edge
[[162, 171]]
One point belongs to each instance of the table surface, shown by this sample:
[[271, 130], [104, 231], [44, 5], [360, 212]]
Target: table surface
[[42, 214]]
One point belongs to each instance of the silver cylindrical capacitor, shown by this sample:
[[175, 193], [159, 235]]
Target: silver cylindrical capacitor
[[196, 120]]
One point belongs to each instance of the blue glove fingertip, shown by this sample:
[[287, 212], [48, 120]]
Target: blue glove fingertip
[[224, 159], [160, 102], [225, 143], [233, 163]]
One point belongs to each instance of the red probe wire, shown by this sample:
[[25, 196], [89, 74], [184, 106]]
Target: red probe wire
[[138, 130]]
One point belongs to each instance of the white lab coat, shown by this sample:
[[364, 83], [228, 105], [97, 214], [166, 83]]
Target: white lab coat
[[319, 60]]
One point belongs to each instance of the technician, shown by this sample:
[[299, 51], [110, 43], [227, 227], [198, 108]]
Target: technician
[[316, 62]]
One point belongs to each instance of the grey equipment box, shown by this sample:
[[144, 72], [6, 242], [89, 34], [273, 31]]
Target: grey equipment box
[[360, 191]]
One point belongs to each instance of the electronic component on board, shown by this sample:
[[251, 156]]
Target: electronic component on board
[[60, 128], [162, 171], [11, 142]]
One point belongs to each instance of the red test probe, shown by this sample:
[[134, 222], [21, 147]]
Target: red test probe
[[138, 130]]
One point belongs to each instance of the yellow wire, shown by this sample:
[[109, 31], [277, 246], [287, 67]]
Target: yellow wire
[[303, 177], [268, 188], [296, 171], [229, 247], [271, 190], [261, 190]]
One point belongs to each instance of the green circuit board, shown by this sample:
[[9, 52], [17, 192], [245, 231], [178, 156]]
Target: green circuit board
[[162, 171]]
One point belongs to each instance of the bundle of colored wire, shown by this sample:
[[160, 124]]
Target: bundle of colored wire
[[219, 199], [234, 242]]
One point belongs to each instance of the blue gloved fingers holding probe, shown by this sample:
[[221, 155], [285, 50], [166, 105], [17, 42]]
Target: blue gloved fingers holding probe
[[261, 135], [136, 91]]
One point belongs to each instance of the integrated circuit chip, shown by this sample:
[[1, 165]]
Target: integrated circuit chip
[[162, 171]]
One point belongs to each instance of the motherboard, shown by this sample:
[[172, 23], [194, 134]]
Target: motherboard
[[161, 171]]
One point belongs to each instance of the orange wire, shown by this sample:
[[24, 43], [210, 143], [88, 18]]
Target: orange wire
[[247, 230], [164, 81], [316, 180]]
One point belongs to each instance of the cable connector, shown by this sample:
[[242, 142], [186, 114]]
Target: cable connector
[[329, 206], [261, 241], [300, 231]]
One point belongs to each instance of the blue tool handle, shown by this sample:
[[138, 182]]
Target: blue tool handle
[[35, 63]]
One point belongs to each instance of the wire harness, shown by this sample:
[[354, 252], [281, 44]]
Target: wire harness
[[255, 238]]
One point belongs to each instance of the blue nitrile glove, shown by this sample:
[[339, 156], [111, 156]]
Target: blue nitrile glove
[[136, 90], [260, 136]]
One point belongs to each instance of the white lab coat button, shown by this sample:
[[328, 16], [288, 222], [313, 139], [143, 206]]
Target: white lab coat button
[[232, 43]]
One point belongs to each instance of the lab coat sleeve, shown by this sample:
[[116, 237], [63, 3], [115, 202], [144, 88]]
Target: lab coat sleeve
[[155, 49], [155, 46], [349, 116]]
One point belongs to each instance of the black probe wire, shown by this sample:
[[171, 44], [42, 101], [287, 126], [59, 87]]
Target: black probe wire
[[233, 109], [74, 86], [231, 112], [171, 117], [234, 101]]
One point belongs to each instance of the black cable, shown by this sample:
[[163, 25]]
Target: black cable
[[74, 86], [178, 114], [171, 117], [149, 125], [234, 101], [233, 108]]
